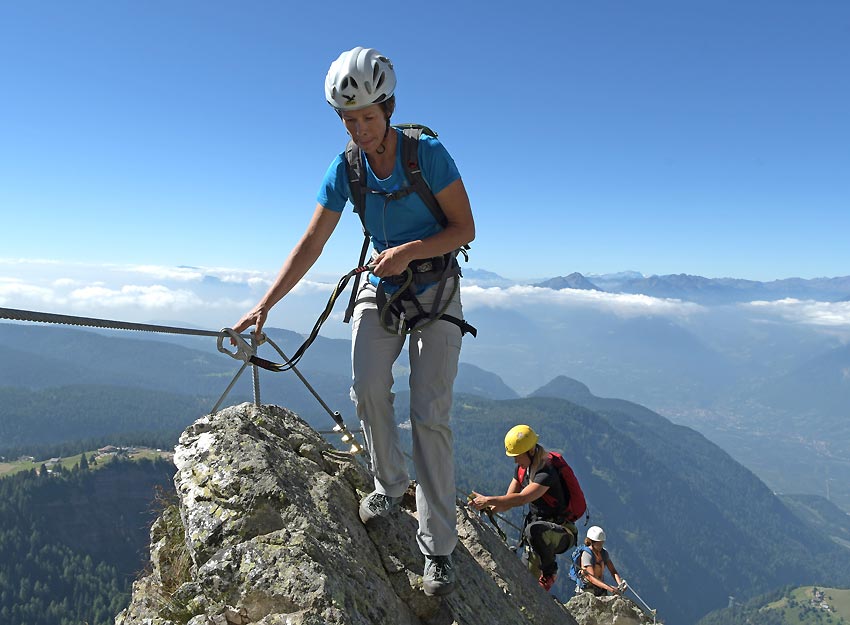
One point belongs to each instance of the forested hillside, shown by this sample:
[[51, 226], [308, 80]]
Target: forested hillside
[[806, 605], [89, 416], [71, 542]]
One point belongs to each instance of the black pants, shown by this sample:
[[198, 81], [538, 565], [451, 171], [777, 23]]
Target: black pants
[[548, 540]]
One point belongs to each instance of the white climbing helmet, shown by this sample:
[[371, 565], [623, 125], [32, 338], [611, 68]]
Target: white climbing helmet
[[596, 533], [359, 78]]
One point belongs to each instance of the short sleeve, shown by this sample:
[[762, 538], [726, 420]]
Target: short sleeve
[[334, 192], [438, 167]]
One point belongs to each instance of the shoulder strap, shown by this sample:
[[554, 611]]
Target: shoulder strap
[[410, 160], [357, 185], [520, 473], [357, 181]]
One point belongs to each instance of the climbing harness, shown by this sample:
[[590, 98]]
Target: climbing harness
[[243, 351], [436, 271], [406, 285]]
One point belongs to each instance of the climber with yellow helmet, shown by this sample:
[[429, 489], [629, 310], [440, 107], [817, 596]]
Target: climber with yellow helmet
[[537, 482]]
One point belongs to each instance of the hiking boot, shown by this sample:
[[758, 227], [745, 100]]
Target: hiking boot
[[377, 504], [547, 581], [439, 575]]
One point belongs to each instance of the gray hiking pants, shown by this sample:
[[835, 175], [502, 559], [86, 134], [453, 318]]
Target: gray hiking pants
[[434, 353]]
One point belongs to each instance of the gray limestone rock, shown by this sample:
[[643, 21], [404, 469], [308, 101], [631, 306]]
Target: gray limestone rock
[[617, 610], [266, 530]]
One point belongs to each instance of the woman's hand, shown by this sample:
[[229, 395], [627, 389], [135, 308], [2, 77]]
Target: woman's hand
[[255, 317], [392, 262]]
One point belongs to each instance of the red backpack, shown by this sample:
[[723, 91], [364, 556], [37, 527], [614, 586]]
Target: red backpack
[[576, 505]]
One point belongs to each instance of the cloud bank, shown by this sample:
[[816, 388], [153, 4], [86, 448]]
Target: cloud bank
[[215, 297], [622, 304], [808, 312]]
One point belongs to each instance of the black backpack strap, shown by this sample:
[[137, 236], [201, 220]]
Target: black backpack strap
[[410, 160], [352, 300], [357, 185], [356, 169]]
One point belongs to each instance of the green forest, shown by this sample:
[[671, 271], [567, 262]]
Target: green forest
[[64, 420], [807, 605], [71, 542]]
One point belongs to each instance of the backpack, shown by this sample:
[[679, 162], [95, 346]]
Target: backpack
[[576, 570], [576, 505]]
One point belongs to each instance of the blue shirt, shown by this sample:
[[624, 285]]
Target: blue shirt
[[398, 221]]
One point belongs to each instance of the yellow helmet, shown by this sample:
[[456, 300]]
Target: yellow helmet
[[519, 440]]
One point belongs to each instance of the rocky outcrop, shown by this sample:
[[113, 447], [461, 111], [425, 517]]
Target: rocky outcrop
[[266, 531], [590, 610]]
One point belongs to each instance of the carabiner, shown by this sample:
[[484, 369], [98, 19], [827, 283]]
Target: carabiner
[[242, 351]]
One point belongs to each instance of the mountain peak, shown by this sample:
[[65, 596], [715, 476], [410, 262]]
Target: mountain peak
[[565, 388], [573, 281], [268, 532]]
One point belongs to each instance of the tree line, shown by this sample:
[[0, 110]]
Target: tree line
[[71, 542]]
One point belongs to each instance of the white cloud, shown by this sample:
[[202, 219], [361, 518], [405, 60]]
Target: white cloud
[[158, 272], [14, 293], [66, 283], [810, 312], [149, 297], [308, 287], [624, 304], [196, 274]]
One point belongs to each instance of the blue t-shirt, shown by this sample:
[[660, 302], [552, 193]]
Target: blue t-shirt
[[398, 221]]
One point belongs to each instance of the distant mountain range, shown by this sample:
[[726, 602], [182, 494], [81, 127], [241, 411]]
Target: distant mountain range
[[773, 395], [707, 290], [669, 496], [770, 384]]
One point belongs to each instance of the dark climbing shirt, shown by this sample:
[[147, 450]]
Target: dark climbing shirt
[[541, 509]]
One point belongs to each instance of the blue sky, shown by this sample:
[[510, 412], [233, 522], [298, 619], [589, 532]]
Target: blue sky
[[708, 138]]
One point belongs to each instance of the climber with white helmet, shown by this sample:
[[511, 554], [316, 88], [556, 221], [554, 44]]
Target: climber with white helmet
[[413, 233], [593, 559], [546, 482]]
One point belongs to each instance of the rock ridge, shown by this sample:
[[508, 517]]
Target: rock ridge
[[265, 530]]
